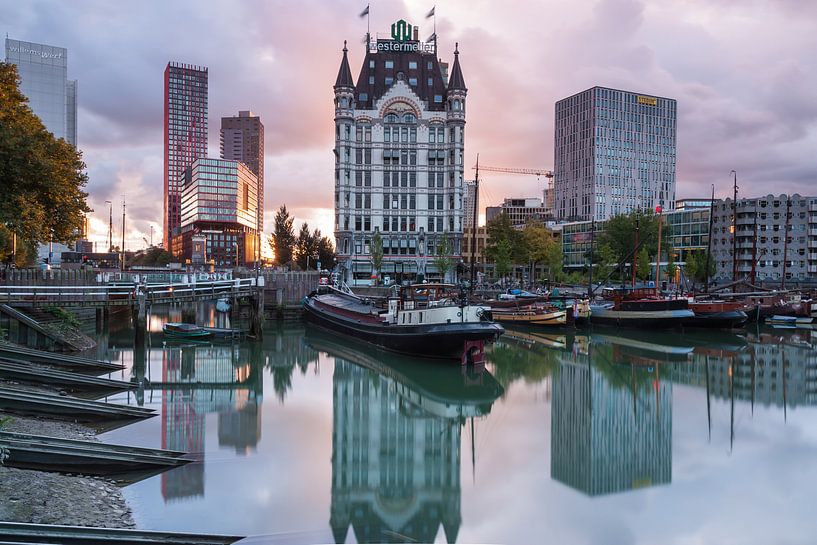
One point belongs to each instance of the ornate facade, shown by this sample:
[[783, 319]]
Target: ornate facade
[[399, 140]]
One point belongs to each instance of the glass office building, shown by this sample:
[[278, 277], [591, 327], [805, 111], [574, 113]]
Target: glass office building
[[689, 232], [43, 71], [614, 153], [185, 134], [219, 199]]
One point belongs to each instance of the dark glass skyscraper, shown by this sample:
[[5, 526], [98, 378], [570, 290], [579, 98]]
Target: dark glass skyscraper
[[185, 134], [614, 153]]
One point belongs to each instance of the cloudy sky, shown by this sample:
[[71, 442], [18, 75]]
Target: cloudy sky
[[743, 72]]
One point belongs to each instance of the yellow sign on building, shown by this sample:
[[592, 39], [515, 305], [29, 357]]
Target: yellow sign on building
[[649, 101]]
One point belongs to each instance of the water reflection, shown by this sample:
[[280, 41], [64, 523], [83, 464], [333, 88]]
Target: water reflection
[[611, 408], [197, 380], [396, 441], [611, 426], [367, 446]]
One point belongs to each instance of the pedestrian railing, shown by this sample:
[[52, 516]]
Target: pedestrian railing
[[127, 294]]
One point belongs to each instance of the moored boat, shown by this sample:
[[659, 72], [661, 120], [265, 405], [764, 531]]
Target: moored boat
[[185, 331], [640, 307], [792, 322], [426, 320], [532, 315], [716, 314]]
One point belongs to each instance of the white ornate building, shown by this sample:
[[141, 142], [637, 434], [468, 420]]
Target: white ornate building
[[399, 139]]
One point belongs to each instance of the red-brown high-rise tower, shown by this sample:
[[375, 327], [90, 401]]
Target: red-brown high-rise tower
[[185, 135], [242, 139]]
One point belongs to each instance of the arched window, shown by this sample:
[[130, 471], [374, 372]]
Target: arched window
[[392, 118], [409, 118]]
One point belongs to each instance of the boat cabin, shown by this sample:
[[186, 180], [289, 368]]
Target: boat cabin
[[419, 296]]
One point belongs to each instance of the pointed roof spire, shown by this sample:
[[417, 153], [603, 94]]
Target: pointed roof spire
[[345, 73], [456, 81]]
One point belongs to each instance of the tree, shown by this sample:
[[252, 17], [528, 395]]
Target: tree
[[671, 267], [695, 267], [306, 247], [326, 253], [542, 248], [643, 263], [282, 241], [503, 258], [513, 251], [619, 234], [152, 257], [442, 257], [26, 251], [41, 177], [377, 252]]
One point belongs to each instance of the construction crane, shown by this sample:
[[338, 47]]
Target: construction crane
[[538, 172], [528, 171]]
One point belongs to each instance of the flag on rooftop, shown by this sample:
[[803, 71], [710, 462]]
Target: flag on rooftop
[[430, 13], [365, 12]]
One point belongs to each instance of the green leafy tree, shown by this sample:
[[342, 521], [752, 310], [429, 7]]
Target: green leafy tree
[[442, 256], [503, 258], [152, 257], [542, 248], [643, 263], [282, 241], [620, 233], [606, 262], [25, 254], [505, 246], [695, 267], [42, 177], [671, 268], [377, 252]]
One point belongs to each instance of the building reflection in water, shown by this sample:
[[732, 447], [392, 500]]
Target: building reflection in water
[[197, 380], [611, 424], [396, 442], [770, 368], [612, 401]]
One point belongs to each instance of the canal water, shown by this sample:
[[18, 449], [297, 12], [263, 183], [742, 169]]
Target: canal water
[[603, 437]]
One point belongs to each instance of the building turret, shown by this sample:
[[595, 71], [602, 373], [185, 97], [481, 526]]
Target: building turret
[[344, 87], [456, 89]]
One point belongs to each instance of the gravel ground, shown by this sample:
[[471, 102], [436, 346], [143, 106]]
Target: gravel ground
[[52, 498], [51, 428]]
